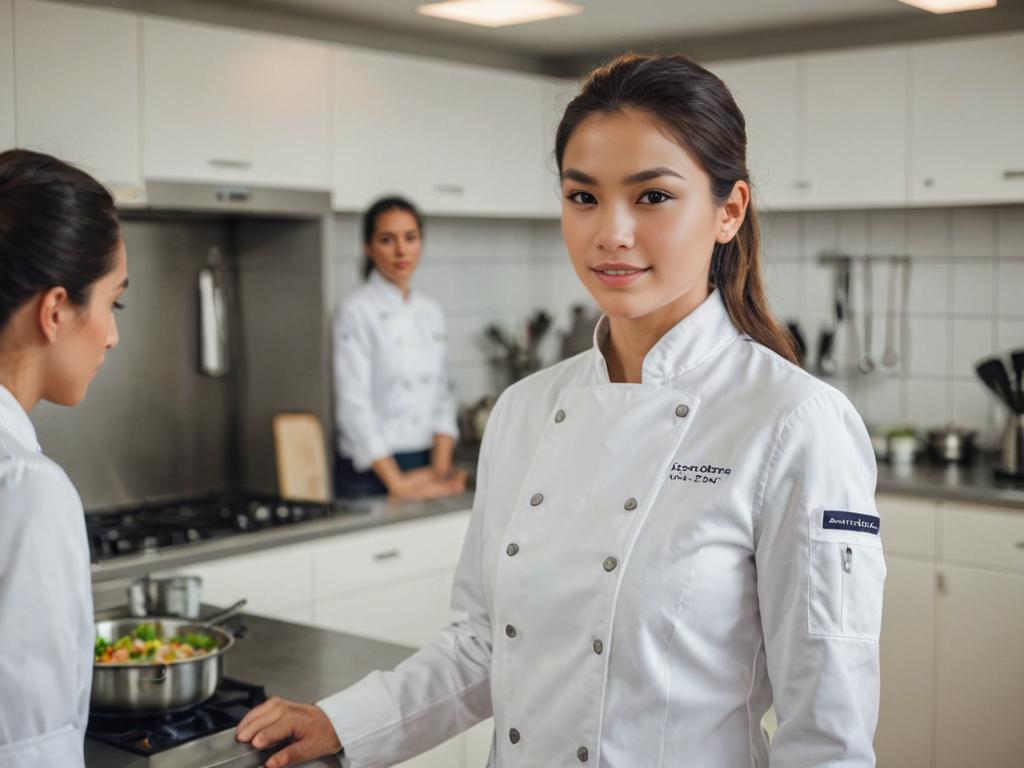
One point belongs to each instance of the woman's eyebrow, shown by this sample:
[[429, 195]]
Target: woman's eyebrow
[[571, 174], [652, 174]]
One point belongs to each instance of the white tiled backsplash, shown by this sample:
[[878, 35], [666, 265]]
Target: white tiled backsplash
[[966, 296]]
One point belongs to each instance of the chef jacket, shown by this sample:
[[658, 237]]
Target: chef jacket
[[649, 567], [46, 620], [391, 388]]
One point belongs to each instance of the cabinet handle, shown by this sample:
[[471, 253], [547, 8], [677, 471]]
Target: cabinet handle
[[226, 162], [1013, 175], [450, 189], [233, 194], [802, 184], [388, 554], [940, 582]]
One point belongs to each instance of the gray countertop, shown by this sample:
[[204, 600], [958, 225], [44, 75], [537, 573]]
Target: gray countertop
[[290, 660], [975, 483]]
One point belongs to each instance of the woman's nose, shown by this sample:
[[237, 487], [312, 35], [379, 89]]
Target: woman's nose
[[615, 229], [113, 337]]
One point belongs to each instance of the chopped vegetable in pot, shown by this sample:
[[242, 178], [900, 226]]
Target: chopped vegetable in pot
[[143, 645]]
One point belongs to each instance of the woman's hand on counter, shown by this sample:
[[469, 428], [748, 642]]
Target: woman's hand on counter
[[306, 726], [424, 484]]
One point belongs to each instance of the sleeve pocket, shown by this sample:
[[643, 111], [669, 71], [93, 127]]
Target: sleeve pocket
[[844, 589]]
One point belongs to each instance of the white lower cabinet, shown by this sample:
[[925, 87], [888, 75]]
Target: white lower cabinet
[[904, 735]]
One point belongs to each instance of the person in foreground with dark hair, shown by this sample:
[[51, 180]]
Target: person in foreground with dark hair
[[63, 270], [672, 531], [395, 417]]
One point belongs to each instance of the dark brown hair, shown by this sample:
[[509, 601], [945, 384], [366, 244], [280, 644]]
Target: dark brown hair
[[58, 227], [697, 110]]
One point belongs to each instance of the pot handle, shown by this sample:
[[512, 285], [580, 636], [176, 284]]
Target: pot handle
[[160, 673], [227, 613]]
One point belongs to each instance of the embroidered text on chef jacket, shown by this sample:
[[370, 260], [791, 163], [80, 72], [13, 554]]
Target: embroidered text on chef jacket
[[46, 640], [391, 388], [649, 567]]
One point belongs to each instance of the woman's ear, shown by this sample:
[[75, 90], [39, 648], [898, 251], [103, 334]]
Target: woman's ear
[[733, 211], [53, 312]]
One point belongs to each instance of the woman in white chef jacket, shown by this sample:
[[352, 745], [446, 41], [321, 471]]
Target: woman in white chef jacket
[[396, 426], [672, 531], [62, 272]]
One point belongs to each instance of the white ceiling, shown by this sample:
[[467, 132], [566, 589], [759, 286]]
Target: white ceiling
[[606, 23]]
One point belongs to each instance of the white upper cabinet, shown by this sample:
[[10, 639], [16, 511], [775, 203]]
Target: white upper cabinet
[[77, 89], [967, 107], [855, 136], [768, 94], [6, 74], [555, 96], [228, 106], [455, 139]]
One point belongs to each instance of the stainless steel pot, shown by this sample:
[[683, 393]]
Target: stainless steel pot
[[951, 445], [150, 689], [173, 596]]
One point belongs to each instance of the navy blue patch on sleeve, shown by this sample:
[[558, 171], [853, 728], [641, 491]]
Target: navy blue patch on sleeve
[[838, 520]]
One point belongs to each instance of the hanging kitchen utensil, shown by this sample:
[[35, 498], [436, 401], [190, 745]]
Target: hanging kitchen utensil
[[889, 356], [214, 358], [826, 348], [905, 316], [993, 372], [799, 342], [866, 364], [826, 363], [1017, 357]]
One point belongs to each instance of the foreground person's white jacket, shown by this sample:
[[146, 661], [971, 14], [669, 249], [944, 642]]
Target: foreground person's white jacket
[[649, 567]]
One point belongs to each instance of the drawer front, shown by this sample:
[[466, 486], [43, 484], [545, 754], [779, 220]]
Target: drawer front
[[986, 537], [908, 526], [272, 581], [384, 555]]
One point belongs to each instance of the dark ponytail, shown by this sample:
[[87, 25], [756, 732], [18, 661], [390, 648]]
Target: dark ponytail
[[696, 108], [382, 206], [58, 228]]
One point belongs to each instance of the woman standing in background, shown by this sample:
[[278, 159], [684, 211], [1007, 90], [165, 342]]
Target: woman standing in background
[[63, 269], [395, 416]]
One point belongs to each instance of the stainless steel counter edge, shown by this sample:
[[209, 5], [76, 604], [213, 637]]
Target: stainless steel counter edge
[[365, 514]]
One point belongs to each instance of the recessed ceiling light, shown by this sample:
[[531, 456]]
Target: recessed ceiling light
[[950, 6], [498, 13]]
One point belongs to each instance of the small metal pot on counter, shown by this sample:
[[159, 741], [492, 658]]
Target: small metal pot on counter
[[951, 445], [178, 596]]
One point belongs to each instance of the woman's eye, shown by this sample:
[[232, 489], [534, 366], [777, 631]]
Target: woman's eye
[[583, 198], [654, 197], [118, 305]]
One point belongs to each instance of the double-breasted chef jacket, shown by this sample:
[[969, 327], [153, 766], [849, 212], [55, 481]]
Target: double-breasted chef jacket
[[46, 618], [390, 381], [649, 567]]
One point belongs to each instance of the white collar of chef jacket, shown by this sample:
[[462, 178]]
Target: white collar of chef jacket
[[16, 421], [386, 290], [691, 341]]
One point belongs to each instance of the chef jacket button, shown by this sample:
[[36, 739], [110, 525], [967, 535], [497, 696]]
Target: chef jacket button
[[559, 416], [610, 563], [598, 647], [582, 754], [513, 736], [630, 504], [682, 411], [536, 499], [510, 630], [512, 549]]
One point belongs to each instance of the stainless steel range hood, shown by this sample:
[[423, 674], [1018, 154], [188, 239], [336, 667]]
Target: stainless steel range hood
[[240, 199]]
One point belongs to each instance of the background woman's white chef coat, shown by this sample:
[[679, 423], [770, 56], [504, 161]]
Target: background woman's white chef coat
[[391, 387], [647, 569], [46, 620]]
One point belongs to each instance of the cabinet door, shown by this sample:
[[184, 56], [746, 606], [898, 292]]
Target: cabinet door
[[238, 107], [768, 94], [855, 135], [453, 138], [6, 74], [904, 735], [967, 108], [77, 88], [980, 678]]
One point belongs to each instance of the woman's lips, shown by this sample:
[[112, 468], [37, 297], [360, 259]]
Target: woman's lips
[[617, 275]]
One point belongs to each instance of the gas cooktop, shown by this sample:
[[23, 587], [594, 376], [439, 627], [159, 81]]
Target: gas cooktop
[[200, 736], [158, 525]]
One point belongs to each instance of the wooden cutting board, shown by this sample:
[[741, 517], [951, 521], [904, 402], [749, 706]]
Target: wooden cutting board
[[301, 457]]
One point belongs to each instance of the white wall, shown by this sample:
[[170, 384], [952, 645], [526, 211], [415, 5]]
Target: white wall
[[967, 295]]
